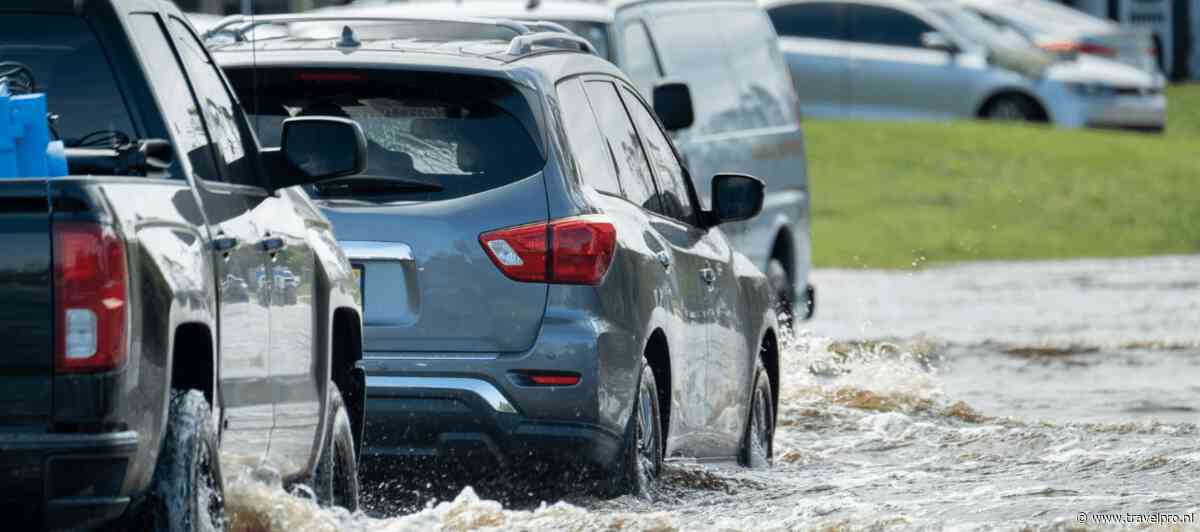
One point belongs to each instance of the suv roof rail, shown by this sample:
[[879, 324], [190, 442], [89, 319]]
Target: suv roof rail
[[528, 33]]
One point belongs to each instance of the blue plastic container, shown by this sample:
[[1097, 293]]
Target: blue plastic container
[[25, 146]]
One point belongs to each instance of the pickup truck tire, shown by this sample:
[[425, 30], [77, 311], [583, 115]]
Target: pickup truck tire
[[336, 480], [641, 455], [187, 490], [783, 293]]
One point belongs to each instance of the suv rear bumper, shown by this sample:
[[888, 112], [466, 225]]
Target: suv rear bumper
[[58, 481], [471, 419]]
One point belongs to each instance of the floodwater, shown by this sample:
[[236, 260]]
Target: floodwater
[[994, 396]]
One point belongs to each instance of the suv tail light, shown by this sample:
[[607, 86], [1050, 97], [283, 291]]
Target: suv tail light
[[568, 251], [90, 298]]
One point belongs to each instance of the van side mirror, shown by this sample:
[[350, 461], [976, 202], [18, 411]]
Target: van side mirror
[[735, 197], [673, 105], [934, 40], [314, 149]]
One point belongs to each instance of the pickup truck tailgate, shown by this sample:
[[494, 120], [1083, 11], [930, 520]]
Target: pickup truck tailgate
[[26, 304]]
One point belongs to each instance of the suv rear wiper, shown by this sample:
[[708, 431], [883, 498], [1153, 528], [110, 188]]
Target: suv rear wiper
[[374, 184]]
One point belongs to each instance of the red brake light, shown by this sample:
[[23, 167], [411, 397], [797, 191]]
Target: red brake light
[[90, 298], [569, 251], [1069, 47], [329, 76], [554, 380]]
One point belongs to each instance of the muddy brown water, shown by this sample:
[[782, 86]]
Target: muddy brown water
[[988, 396]]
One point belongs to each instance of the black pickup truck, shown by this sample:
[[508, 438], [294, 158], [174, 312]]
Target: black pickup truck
[[176, 306]]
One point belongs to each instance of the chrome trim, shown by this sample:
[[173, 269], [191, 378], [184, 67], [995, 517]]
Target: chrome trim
[[376, 250], [484, 389]]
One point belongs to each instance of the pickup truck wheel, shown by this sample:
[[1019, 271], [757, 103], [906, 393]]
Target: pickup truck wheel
[[758, 442], [642, 451], [187, 492], [336, 479]]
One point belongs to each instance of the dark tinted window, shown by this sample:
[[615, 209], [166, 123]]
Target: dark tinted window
[[886, 26], [70, 68], [622, 139], [216, 104], [813, 21], [640, 62], [593, 159], [175, 96], [462, 134], [668, 173]]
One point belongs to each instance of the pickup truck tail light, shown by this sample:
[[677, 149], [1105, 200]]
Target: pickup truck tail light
[[575, 250], [90, 298], [1071, 47]]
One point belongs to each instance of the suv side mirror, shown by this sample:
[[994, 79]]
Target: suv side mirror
[[318, 148], [673, 105], [935, 40], [735, 197]]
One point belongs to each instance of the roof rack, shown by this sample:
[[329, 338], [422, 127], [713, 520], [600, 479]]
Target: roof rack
[[528, 33]]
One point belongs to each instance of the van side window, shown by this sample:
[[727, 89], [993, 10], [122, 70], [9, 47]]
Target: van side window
[[592, 158], [693, 51], [217, 106], [640, 61], [632, 168], [809, 21], [760, 72], [672, 181], [175, 96], [885, 26]]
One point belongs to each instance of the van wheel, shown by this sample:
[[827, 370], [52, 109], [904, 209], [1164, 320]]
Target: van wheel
[[783, 294], [758, 442], [187, 493], [336, 479], [642, 451]]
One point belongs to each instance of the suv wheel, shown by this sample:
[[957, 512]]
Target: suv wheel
[[336, 479], [188, 493], [758, 443], [642, 451]]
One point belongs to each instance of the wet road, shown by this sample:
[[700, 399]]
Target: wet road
[[985, 396]]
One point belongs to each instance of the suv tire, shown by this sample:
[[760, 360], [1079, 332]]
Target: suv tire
[[758, 442], [336, 480], [641, 455]]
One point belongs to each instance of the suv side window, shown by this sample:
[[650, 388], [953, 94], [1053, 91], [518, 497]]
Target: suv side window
[[217, 105], [175, 96], [674, 195], [809, 21], [594, 162], [632, 168], [885, 26], [640, 61]]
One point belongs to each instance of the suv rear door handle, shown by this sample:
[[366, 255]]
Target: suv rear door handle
[[664, 259], [271, 245]]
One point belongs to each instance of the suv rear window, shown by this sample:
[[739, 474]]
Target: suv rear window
[[464, 135], [70, 68]]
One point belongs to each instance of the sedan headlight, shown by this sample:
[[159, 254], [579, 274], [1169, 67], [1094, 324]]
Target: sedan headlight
[[1093, 89]]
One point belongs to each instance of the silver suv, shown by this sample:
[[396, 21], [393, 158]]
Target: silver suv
[[539, 280]]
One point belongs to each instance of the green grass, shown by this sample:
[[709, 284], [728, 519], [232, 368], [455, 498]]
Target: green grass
[[896, 195]]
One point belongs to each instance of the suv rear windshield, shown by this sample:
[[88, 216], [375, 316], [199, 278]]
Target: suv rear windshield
[[69, 67], [436, 136]]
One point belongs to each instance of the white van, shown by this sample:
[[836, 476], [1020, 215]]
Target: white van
[[742, 111]]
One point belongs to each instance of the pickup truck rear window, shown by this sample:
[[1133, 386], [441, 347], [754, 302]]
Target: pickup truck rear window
[[70, 68], [437, 136]]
